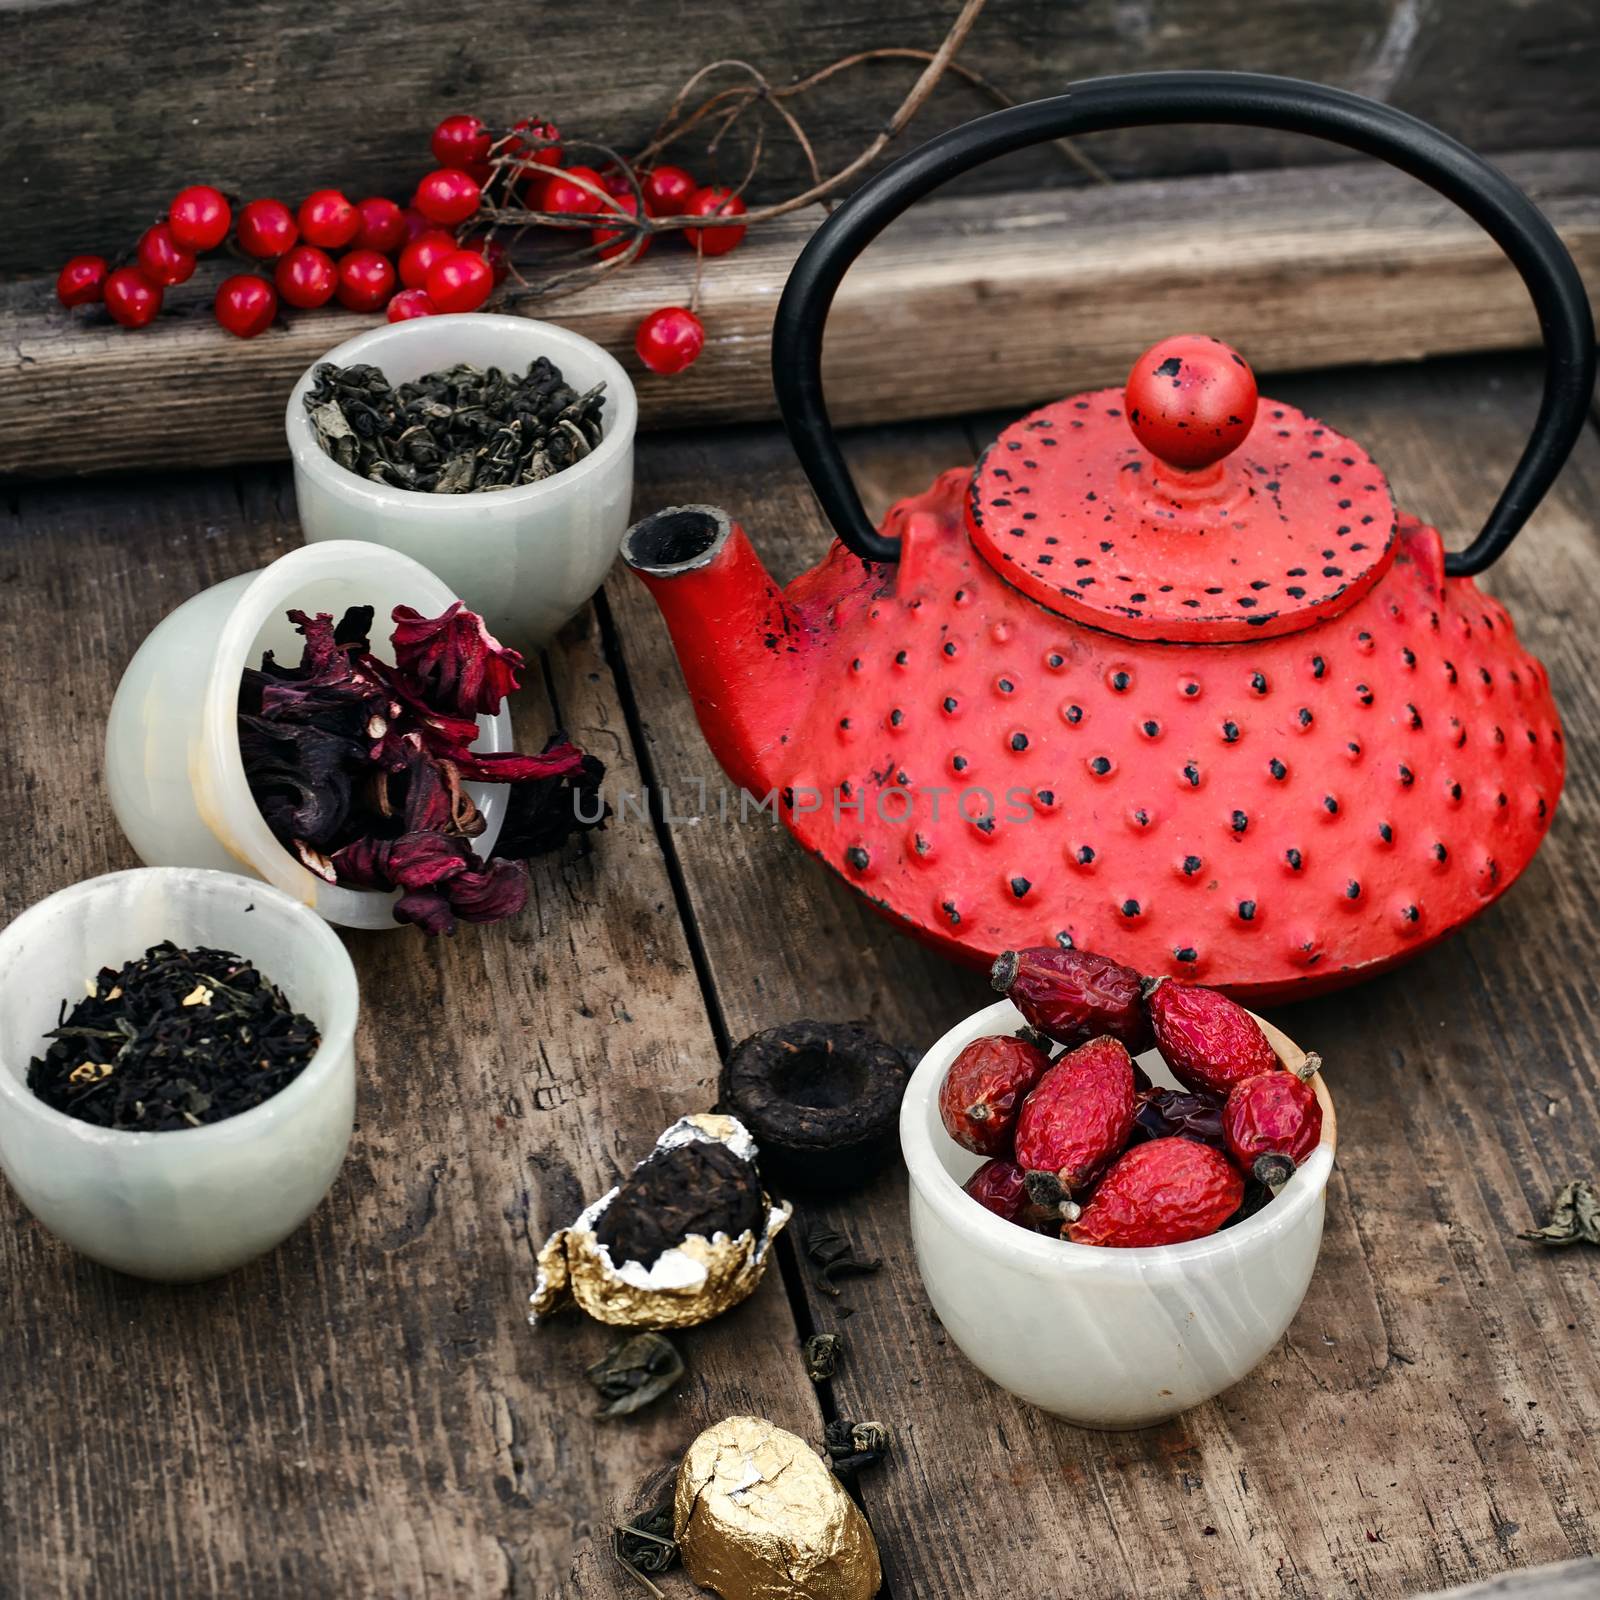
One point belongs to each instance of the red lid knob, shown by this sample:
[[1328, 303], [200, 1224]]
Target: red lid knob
[[1191, 400]]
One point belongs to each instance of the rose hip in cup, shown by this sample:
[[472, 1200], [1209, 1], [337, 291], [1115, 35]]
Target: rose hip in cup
[[1075, 1121], [1099, 1148], [1164, 1192], [1209, 1041], [984, 1089], [1000, 1187], [1073, 995], [1271, 1123]]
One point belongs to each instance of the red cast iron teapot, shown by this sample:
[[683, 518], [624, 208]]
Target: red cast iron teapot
[[1165, 675]]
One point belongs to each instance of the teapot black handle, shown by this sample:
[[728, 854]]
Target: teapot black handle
[[1244, 99]]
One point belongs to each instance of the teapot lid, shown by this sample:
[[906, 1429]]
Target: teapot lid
[[1179, 509]]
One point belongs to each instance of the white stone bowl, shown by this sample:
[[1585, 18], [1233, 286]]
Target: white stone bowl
[[524, 559], [1105, 1338], [173, 767], [193, 1203]]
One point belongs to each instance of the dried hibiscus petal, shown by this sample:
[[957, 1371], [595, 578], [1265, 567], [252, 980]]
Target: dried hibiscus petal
[[320, 655], [426, 909], [363, 864], [417, 725], [425, 860], [358, 766], [454, 660], [302, 778], [331, 658], [332, 706], [543, 813], [497, 891], [436, 801], [355, 628], [506, 766], [500, 890]]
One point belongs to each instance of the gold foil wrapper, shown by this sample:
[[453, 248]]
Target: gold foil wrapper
[[758, 1516], [695, 1281]]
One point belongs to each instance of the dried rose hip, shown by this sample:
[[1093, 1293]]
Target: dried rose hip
[[1075, 1121], [1209, 1041], [998, 1186], [1160, 1193], [1173, 1114], [984, 1089], [1272, 1122], [1073, 995]]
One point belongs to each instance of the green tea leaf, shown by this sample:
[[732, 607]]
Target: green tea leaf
[[635, 1373], [1574, 1217]]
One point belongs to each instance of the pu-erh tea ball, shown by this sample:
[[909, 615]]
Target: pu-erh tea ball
[[758, 1516]]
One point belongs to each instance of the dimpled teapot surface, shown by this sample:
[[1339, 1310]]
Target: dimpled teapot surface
[[1165, 675]]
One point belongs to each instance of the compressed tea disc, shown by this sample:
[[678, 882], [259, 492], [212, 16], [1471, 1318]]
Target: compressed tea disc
[[822, 1100]]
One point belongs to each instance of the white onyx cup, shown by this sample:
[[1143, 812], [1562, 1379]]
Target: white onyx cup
[[173, 767], [1104, 1338], [525, 559], [194, 1203]]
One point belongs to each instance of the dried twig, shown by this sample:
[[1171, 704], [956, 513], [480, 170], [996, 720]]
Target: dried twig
[[908, 108], [721, 110]]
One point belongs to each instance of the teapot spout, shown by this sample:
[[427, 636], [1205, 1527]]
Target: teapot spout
[[740, 644]]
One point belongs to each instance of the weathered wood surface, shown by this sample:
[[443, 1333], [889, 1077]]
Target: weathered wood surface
[[284, 96], [1429, 1419], [365, 1412], [964, 303]]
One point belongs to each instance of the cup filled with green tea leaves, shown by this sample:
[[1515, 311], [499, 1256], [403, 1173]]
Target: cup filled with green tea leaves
[[496, 450], [177, 1077], [337, 724]]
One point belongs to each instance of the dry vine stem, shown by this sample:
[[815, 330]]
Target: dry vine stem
[[721, 111]]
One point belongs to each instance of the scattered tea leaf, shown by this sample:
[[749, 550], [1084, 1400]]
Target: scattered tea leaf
[[835, 1255], [646, 1544], [636, 1372], [852, 1446], [1574, 1217], [822, 1353]]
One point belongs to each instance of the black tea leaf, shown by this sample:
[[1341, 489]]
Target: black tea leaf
[[175, 1039]]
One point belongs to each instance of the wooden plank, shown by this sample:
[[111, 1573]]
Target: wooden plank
[[284, 96], [1565, 1580], [364, 1411], [1427, 1420], [1355, 264]]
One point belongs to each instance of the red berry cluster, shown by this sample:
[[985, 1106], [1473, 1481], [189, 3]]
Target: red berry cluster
[[415, 261], [197, 221], [1084, 1146], [671, 338], [330, 248]]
